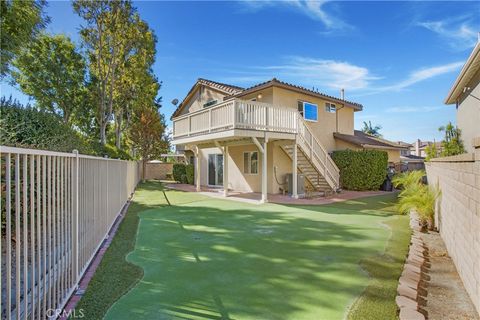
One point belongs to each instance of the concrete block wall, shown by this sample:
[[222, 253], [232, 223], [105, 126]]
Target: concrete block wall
[[157, 170], [457, 214]]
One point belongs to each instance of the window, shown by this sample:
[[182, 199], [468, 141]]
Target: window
[[209, 103], [330, 107], [250, 162], [308, 110]]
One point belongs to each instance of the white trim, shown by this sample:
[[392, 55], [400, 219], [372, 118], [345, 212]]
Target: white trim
[[303, 110], [472, 64]]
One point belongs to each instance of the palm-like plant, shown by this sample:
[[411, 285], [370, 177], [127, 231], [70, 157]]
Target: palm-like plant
[[371, 130], [406, 179], [416, 196]]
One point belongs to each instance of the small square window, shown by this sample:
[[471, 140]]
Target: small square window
[[330, 107]]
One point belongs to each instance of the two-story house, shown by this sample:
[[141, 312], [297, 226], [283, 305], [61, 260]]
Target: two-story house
[[250, 140]]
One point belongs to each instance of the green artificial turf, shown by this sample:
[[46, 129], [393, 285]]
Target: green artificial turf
[[115, 276], [378, 299], [205, 258]]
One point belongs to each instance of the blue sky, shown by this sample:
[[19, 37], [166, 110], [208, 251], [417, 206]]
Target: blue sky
[[398, 59]]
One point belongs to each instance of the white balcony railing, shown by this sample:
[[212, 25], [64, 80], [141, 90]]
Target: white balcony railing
[[236, 114]]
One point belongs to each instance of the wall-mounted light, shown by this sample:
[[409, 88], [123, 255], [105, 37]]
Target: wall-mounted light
[[259, 96]]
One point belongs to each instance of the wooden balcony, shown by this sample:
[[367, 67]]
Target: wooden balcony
[[235, 118]]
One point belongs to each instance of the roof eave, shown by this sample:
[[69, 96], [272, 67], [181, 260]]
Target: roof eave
[[280, 84], [456, 89]]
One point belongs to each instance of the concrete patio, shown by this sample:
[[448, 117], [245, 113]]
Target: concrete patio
[[255, 197]]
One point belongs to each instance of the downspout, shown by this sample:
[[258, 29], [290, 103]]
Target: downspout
[[342, 96]]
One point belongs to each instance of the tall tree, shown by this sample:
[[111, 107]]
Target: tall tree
[[52, 71], [146, 134], [136, 84], [452, 143], [111, 38], [20, 22], [368, 128]]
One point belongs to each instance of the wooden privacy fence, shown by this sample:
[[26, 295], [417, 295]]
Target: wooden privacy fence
[[56, 208]]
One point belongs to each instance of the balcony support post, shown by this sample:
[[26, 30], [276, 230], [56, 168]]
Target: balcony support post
[[264, 172], [198, 168], [225, 171], [294, 172]]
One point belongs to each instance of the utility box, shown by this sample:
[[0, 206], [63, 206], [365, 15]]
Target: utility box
[[300, 183]]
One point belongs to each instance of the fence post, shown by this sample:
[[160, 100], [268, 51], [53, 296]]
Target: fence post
[[75, 217]]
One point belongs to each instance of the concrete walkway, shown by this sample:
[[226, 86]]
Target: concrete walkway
[[447, 297], [254, 197]]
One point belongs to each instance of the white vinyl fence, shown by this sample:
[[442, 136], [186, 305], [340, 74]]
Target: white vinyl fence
[[57, 208]]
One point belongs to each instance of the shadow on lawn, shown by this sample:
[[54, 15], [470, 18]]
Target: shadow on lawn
[[225, 259]]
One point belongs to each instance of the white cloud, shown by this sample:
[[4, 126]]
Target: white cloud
[[415, 77], [324, 73], [459, 33], [409, 109], [423, 74], [313, 9]]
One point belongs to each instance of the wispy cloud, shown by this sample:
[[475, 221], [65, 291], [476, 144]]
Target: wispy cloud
[[332, 75], [459, 33], [326, 73], [306, 71], [410, 109], [423, 74], [413, 78], [313, 9]]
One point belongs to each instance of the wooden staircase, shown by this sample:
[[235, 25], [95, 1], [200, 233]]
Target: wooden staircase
[[313, 160], [307, 168]]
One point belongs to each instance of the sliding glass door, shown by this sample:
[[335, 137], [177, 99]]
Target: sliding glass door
[[215, 169]]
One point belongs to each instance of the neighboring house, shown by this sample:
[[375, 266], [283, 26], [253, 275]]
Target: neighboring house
[[465, 93], [266, 132], [419, 148], [457, 211], [407, 146], [360, 140]]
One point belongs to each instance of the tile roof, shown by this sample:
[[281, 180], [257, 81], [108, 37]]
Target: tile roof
[[236, 91], [412, 157], [362, 139], [221, 86], [277, 82], [226, 88]]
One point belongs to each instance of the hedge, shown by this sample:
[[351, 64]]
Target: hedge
[[179, 170], [361, 170], [26, 127], [189, 171]]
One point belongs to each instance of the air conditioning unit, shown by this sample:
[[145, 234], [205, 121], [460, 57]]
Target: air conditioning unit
[[300, 183]]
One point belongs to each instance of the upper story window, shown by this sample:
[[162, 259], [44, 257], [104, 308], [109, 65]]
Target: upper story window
[[209, 103], [308, 110], [330, 107]]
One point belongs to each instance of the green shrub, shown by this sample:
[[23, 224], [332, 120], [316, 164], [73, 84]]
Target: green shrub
[[183, 179], [178, 171], [110, 151], [189, 171], [26, 127], [361, 170]]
